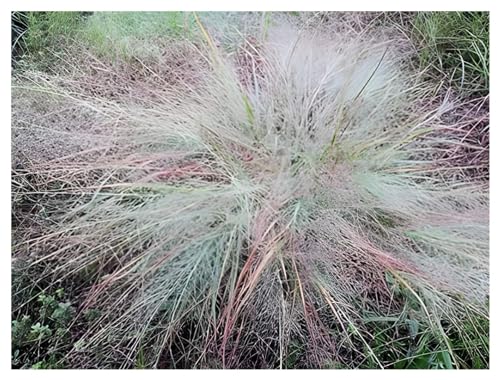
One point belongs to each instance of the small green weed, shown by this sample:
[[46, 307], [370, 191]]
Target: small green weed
[[37, 338]]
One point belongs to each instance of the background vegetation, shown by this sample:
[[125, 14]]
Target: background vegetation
[[456, 44]]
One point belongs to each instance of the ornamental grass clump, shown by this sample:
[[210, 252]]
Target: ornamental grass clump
[[265, 216]]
